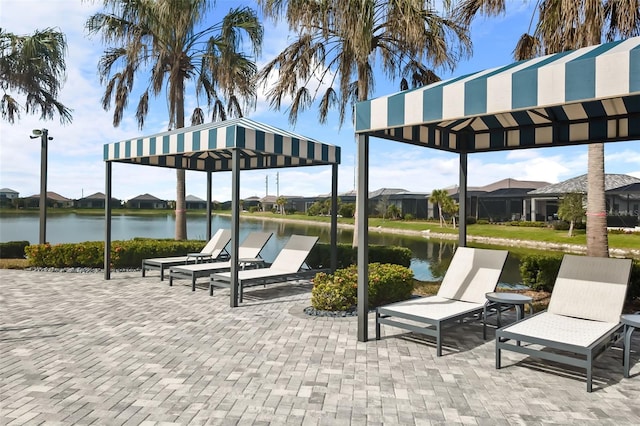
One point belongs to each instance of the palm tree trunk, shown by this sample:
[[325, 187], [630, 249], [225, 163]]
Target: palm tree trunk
[[597, 242], [363, 93], [181, 181]]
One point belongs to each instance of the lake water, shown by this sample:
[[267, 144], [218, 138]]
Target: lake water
[[430, 257]]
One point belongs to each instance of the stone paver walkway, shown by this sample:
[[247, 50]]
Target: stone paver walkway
[[78, 350]]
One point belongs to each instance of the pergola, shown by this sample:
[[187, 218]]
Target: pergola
[[232, 145], [584, 96]]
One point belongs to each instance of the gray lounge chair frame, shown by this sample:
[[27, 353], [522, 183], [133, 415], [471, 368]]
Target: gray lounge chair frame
[[472, 273], [250, 248], [582, 319], [213, 250], [287, 266]]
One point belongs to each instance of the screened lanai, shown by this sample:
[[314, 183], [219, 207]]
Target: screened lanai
[[232, 145], [577, 97]]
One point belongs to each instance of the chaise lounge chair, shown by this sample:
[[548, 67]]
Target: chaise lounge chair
[[212, 251], [582, 319], [472, 273], [287, 266], [250, 248]]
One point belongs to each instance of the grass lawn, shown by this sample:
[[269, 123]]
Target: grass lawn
[[547, 235]]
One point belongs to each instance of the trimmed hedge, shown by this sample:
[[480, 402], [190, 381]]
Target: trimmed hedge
[[124, 254], [388, 283], [320, 256], [13, 249], [129, 253], [539, 272]]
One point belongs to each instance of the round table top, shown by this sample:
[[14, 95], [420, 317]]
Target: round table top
[[513, 298], [631, 319]]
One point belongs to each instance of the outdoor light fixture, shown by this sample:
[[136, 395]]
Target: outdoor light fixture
[[43, 134]]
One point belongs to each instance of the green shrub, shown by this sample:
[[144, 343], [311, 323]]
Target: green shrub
[[124, 254], [13, 249], [529, 224], [408, 216], [482, 222], [347, 210], [539, 272], [471, 220], [388, 283], [320, 256]]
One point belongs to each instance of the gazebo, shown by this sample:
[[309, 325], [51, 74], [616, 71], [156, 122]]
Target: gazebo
[[232, 145], [576, 97]]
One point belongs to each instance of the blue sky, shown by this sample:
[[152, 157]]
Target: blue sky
[[76, 167]]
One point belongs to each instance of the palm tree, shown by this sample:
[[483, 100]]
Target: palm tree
[[339, 42], [571, 209], [281, 202], [451, 207], [439, 197], [34, 66], [566, 25], [164, 40]]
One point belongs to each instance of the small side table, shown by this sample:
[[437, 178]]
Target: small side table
[[511, 299], [199, 257], [631, 322], [251, 262]]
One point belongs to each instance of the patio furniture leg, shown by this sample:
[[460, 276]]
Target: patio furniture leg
[[438, 340], [377, 325], [498, 354], [589, 372], [484, 322], [627, 350]]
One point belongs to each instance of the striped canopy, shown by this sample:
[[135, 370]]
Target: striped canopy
[[208, 147], [587, 95]]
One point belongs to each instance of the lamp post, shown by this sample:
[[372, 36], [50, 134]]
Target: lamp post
[[43, 134]]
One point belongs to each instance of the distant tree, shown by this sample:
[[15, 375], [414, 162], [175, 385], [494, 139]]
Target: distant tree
[[347, 210], [393, 212], [34, 66], [383, 205], [439, 197], [320, 207], [281, 202], [450, 207], [572, 210]]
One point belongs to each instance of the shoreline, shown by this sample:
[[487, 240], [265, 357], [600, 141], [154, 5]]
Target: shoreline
[[428, 234]]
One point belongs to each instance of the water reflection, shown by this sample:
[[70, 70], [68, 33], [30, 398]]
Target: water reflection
[[430, 260]]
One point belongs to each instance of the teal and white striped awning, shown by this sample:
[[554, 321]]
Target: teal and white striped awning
[[208, 147], [587, 95]]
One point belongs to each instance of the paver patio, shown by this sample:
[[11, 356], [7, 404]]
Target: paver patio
[[76, 349]]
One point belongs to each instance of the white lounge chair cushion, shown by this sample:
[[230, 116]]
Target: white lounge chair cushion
[[249, 249], [160, 260], [255, 273], [472, 274], [562, 329], [433, 307], [590, 288], [197, 267]]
